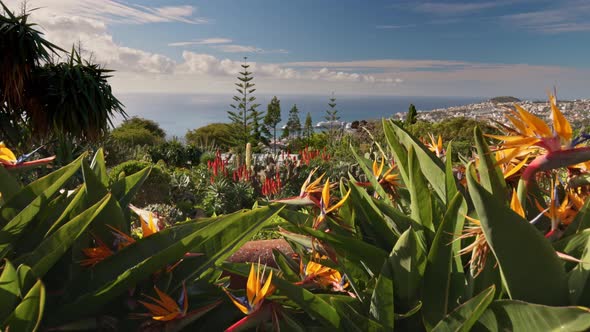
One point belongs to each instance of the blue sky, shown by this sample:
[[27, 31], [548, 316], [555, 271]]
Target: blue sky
[[429, 48]]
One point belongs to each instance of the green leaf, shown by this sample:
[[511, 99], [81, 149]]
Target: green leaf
[[421, 197], [124, 189], [370, 176], [429, 163], [296, 217], [579, 276], [53, 247], [43, 187], [15, 227], [28, 314], [451, 181], [407, 262], [216, 238], [309, 302], [113, 214], [530, 272], [25, 279], [382, 299], [581, 221], [99, 167], [400, 154], [491, 176], [351, 248], [440, 295], [398, 220], [371, 219], [507, 315], [288, 266], [8, 185], [353, 320], [9, 290], [466, 315]]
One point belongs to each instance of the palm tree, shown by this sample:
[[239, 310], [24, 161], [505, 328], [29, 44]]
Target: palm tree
[[41, 98]]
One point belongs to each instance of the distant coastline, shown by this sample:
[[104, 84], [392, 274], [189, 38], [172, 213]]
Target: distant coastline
[[177, 113], [577, 111]]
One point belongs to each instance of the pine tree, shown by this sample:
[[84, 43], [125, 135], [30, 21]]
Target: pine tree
[[332, 112], [272, 118], [294, 124], [285, 133], [412, 115], [244, 108], [332, 116], [259, 132], [308, 127]]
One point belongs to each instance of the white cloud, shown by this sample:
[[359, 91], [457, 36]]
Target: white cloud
[[395, 64], [566, 16], [233, 48], [196, 63], [206, 41], [95, 40], [395, 27], [238, 49], [441, 8], [112, 11]]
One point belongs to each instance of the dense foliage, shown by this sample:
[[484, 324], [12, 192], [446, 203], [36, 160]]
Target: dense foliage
[[41, 99]]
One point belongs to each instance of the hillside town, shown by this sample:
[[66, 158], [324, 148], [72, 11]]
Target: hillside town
[[576, 111]]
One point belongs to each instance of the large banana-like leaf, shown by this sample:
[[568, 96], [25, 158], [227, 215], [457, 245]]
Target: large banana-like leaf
[[312, 304], [370, 176], [440, 292], [371, 220], [44, 187], [16, 226], [216, 238], [491, 176], [53, 247], [352, 320], [8, 185], [28, 313], [382, 299], [9, 289], [579, 276], [399, 221], [99, 167], [125, 189], [517, 316], [354, 250], [428, 162], [400, 154], [467, 314], [530, 267], [407, 262], [581, 221], [421, 198]]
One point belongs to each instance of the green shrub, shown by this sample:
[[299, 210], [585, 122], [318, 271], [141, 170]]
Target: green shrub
[[156, 188], [176, 154]]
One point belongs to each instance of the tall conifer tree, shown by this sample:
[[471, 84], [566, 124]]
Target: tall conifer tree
[[294, 123], [272, 118], [308, 127], [332, 116], [244, 108]]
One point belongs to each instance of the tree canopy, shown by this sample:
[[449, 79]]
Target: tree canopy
[[138, 131], [218, 134], [41, 98]]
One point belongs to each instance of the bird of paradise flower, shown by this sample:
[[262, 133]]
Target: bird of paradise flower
[[258, 288], [559, 146], [9, 160]]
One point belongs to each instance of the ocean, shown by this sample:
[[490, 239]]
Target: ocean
[[177, 113]]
